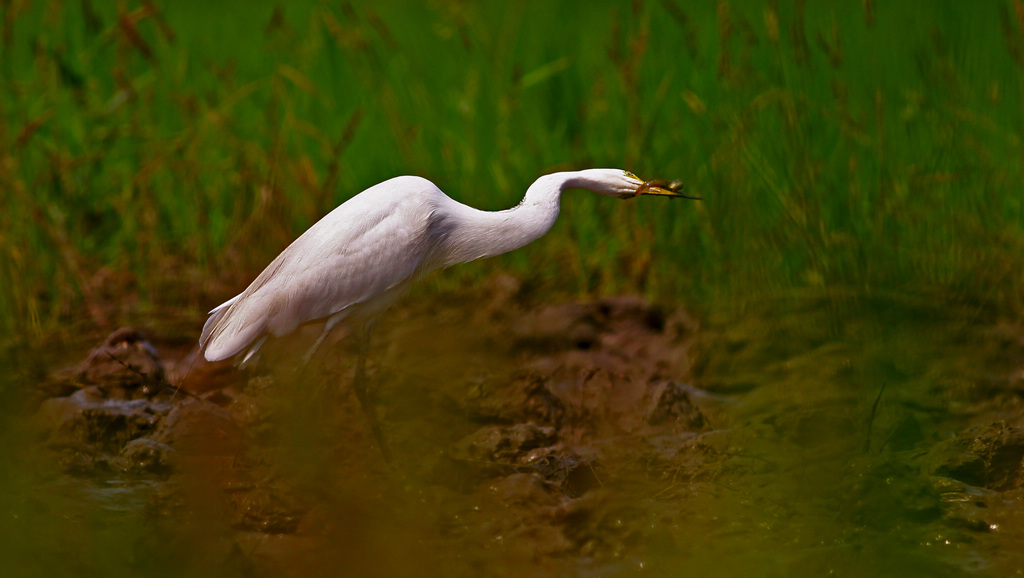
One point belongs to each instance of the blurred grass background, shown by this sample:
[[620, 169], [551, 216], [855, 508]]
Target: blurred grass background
[[158, 155]]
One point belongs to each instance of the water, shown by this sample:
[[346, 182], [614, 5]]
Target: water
[[837, 441]]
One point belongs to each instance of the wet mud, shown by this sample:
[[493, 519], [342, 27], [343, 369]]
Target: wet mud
[[602, 438]]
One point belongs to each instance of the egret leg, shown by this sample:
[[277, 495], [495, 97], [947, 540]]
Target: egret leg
[[366, 400], [319, 341]]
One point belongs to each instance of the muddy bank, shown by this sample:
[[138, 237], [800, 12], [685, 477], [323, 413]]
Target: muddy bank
[[600, 438], [508, 462]]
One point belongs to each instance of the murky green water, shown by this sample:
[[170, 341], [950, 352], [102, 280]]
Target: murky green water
[[822, 480], [831, 448]]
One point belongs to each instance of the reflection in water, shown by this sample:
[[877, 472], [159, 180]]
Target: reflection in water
[[871, 437]]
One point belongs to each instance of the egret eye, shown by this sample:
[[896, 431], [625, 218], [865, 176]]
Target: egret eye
[[632, 176]]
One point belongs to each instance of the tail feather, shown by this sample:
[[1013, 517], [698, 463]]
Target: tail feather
[[216, 314], [226, 334]]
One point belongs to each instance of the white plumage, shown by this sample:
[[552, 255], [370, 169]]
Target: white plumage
[[363, 255]]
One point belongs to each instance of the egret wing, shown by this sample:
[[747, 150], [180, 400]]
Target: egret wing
[[353, 262]]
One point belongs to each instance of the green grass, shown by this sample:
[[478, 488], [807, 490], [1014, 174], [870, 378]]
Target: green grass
[[159, 155]]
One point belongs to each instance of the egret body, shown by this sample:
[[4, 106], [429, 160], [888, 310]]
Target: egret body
[[363, 255]]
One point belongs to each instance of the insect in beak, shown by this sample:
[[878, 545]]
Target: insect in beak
[[664, 188]]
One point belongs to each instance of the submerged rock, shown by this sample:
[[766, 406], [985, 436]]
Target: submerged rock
[[125, 357], [531, 449], [561, 466], [263, 508], [124, 366], [671, 404], [523, 397], [145, 456], [88, 417], [503, 444], [115, 420], [990, 457], [198, 427]]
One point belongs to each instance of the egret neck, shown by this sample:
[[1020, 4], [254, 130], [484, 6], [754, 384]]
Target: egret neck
[[472, 234]]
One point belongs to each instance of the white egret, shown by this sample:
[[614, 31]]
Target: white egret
[[359, 258]]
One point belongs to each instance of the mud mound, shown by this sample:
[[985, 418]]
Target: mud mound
[[522, 451]]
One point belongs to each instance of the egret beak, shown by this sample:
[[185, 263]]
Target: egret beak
[[664, 188]]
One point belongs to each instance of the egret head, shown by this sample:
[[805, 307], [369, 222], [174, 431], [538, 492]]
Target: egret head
[[625, 185]]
